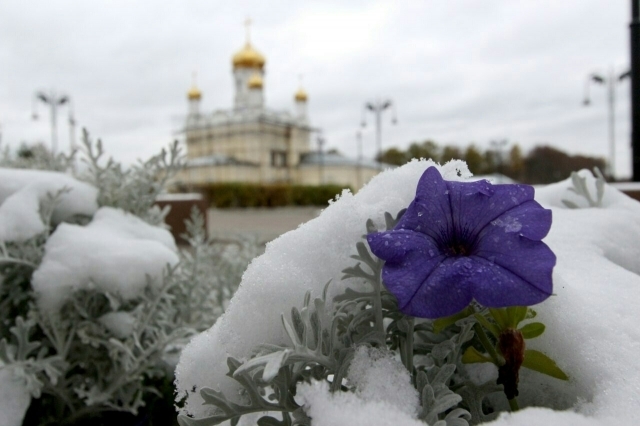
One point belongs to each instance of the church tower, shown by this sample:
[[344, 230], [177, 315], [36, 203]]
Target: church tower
[[300, 99], [248, 75], [194, 95]]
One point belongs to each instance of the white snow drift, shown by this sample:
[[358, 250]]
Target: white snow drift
[[22, 192], [592, 319], [116, 252]]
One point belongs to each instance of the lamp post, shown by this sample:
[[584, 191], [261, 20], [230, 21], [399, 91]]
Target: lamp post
[[377, 108], [499, 147], [55, 101], [610, 81], [321, 141], [634, 32], [359, 169]]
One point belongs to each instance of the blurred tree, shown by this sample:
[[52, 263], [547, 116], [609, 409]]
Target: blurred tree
[[393, 156], [516, 164], [474, 159], [427, 149], [450, 152], [545, 164], [491, 162]]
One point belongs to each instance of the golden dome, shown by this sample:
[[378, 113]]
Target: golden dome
[[194, 94], [301, 95], [255, 81], [248, 57]]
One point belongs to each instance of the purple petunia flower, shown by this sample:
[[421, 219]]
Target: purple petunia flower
[[460, 241]]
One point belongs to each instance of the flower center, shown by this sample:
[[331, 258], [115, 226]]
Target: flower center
[[458, 249]]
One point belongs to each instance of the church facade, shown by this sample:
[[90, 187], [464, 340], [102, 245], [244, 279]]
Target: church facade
[[251, 143]]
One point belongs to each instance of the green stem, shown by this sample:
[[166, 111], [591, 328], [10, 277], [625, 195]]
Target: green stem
[[513, 404], [409, 346], [378, 299], [486, 343]]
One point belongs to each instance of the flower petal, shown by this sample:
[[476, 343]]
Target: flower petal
[[530, 260], [529, 220], [476, 204], [446, 291], [410, 257], [430, 212], [496, 287], [393, 246]]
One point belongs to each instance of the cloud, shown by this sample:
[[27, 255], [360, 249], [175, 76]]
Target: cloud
[[458, 71]]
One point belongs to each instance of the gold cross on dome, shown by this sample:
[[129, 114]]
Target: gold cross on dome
[[247, 25]]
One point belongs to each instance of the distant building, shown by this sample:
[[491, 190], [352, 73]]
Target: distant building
[[252, 143]]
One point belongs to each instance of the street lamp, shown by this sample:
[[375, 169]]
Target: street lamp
[[321, 141], [610, 81], [377, 108], [359, 168], [499, 147], [55, 101]]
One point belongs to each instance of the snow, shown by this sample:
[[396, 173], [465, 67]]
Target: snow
[[591, 320], [22, 191], [121, 324], [180, 197], [14, 398], [342, 408], [378, 376], [117, 253]]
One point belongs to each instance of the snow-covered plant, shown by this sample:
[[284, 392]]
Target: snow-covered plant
[[580, 188], [37, 157], [446, 285], [133, 189], [94, 311], [210, 272]]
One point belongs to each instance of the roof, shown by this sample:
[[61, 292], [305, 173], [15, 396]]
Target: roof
[[217, 160], [180, 197], [334, 159]]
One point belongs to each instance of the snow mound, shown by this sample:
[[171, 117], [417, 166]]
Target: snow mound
[[591, 320], [300, 260], [116, 252], [22, 191], [341, 408], [14, 398], [378, 376]]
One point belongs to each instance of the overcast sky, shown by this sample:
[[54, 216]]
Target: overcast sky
[[458, 71]]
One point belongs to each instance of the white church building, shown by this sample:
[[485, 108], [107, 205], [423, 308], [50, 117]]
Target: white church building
[[251, 143]]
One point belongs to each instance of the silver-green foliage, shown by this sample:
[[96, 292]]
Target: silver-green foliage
[[37, 157], [133, 189], [72, 363], [580, 188], [323, 336]]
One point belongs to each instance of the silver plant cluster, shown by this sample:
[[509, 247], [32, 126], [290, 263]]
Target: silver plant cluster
[[323, 337], [73, 366], [580, 188]]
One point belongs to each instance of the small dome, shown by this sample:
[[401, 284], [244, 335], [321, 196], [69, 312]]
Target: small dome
[[301, 95], [255, 81], [248, 57], [194, 94]]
